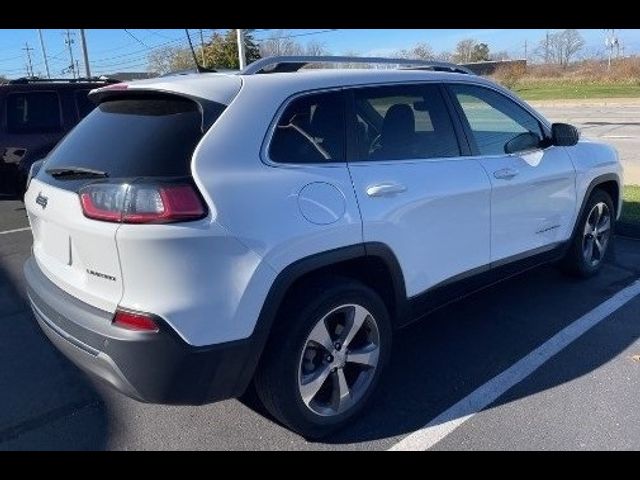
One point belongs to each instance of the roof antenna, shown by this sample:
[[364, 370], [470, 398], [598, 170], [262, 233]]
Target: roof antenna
[[199, 67]]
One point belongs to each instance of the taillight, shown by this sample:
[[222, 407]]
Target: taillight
[[140, 322], [141, 202]]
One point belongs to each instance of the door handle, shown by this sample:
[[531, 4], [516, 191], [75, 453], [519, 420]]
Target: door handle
[[385, 189], [505, 173]]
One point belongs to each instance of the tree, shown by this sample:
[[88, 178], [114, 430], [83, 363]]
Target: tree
[[280, 44], [3, 79], [221, 52], [560, 47], [480, 52], [464, 51], [170, 59], [420, 51], [572, 43]]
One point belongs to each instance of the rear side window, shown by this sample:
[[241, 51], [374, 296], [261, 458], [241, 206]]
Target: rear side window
[[402, 123], [33, 112], [83, 104], [131, 137], [310, 130]]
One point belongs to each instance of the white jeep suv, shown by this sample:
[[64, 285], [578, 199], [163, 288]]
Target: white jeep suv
[[196, 233]]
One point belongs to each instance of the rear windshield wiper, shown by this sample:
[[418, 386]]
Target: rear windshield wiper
[[76, 172]]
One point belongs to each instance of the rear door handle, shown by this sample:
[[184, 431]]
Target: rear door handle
[[505, 173], [385, 189]]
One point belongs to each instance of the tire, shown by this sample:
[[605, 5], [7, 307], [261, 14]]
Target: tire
[[294, 365], [576, 261]]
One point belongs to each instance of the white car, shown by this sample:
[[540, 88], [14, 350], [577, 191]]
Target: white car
[[196, 233]]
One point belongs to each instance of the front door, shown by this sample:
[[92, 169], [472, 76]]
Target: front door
[[533, 198]]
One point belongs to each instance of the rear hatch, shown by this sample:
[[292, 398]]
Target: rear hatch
[[131, 137]]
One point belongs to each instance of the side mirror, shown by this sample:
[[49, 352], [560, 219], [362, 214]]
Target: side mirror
[[564, 135], [523, 142]]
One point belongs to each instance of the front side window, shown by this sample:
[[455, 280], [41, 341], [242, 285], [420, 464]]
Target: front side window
[[310, 130], [33, 112], [494, 119], [402, 123]]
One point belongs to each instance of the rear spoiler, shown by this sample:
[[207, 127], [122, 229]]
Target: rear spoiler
[[209, 110]]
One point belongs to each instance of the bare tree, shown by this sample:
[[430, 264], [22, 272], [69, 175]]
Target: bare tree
[[560, 47], [280, 44], [572, 43], [169, 59], [464, 50], [444, 57], [315, 49], [420, 51]]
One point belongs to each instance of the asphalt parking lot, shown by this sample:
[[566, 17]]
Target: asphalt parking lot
[[615, 121], [585, 397]]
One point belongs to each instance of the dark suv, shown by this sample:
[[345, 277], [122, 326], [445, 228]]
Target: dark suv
[[34, 116]]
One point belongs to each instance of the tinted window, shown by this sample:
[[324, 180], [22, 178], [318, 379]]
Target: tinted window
[[493, 118], [83, 103], [311, 130], [33, 112], [151, 136], [403, 122]]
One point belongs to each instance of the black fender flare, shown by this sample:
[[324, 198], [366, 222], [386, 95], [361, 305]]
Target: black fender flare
[[599, 180], [288, 276]]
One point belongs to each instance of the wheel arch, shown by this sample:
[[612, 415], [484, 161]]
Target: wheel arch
[[610, 183], [373, 263]]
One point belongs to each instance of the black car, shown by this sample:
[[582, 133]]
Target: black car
[[34, 115]]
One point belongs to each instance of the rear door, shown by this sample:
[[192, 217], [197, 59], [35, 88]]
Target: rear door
[[126, 138], [533, 191], [417, 191]]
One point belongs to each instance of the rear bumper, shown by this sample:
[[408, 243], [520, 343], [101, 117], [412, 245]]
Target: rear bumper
[[152, 367]]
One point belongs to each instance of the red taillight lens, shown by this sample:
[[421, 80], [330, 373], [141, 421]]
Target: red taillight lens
[[141, 203], [139, 322]]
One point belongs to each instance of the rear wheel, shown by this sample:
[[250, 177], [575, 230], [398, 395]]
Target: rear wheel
[[592, 237], [325, 356]]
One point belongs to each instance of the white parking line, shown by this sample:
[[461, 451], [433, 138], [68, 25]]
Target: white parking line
[[15, 230], [449, 420]]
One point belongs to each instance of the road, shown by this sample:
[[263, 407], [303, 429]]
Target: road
[[585, 397], [615, 121]]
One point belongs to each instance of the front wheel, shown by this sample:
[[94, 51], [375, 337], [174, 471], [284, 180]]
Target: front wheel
[[325, 356], [592, 237]]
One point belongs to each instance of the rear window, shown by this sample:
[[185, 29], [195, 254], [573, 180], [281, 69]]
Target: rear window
[[134, 137], [33, 112]]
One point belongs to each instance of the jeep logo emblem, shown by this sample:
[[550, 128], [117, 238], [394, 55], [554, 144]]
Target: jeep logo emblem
[[42, 200]]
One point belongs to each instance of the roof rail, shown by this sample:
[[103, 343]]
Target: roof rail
[[25, 80], [294, 63]]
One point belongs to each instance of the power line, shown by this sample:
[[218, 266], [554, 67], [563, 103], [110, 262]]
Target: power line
[[136, 39], [297, 35]]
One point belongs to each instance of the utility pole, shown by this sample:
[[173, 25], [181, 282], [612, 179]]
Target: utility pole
[[44, 53], [69, 42], [241, 55], [526, 56], [204, 62], [28, 49], [85, 53]]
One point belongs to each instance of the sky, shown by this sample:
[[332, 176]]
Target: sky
[[116, 50]]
